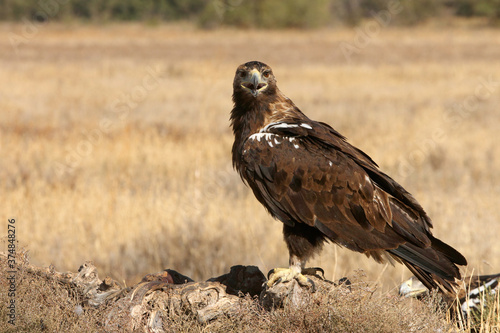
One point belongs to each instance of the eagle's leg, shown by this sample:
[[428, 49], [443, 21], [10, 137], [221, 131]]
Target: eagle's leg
[[302, 242]]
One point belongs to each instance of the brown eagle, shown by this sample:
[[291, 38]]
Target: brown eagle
[[322, 188]]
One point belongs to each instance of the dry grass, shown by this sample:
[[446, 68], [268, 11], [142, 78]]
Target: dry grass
[[44, 306], [141, 185]]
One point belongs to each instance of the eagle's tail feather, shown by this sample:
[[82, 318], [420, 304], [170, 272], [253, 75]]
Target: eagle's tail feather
[[432, 281], [435, 266]]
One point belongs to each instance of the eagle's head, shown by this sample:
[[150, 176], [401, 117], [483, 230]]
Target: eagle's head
[[253, 80]]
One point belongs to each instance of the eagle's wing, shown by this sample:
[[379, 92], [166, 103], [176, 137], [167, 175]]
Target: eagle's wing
[[304, 171]]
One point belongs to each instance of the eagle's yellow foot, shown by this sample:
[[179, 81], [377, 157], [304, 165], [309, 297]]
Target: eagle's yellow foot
[[278, 275]]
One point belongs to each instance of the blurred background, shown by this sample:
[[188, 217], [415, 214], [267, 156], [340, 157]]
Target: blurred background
[[115, 143], [246, 14]]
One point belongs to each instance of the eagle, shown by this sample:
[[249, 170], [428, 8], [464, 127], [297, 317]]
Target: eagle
[[324, 189]]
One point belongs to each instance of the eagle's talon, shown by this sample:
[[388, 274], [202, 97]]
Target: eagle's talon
[[312, 285], [270, 273], [318, 269]]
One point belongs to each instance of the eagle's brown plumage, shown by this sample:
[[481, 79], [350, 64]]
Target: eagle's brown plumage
[[322, 188]]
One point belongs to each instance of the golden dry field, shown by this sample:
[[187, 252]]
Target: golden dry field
[[115, 140]]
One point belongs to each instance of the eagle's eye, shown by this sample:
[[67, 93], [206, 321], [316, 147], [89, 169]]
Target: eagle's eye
[[266, 74], [242, 74]]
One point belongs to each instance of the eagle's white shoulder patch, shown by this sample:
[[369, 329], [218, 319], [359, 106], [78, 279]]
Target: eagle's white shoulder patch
[[277, 125], [285, 125], [273, 139], [293, 141], [260, 135]]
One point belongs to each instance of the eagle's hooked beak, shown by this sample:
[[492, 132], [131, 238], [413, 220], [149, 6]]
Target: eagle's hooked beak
[[254, 83]]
